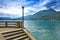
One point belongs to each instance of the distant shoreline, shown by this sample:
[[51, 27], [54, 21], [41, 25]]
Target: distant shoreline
[[12, 20], [30, 19]]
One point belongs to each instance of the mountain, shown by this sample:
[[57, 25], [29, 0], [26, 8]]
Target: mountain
[[41, 15], [44, 15], [57, 15], [6, 16]]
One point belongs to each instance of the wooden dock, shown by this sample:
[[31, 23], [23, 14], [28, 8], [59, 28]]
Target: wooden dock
[[12, 30]]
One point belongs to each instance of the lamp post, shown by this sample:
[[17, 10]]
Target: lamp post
[[23, 16]]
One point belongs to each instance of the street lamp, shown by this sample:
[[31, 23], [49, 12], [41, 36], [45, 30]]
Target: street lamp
[[23, 16]]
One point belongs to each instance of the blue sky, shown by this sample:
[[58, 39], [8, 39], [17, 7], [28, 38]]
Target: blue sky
[[13, 7]]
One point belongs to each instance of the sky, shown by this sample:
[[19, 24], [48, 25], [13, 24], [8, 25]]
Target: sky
[[13, 7]]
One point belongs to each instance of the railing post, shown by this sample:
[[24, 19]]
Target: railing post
[[19, 25], [5, 24]]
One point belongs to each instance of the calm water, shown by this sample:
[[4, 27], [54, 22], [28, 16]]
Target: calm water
[[44, 29]]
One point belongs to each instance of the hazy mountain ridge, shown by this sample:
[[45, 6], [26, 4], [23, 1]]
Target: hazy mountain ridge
[[41, 15], [4, 16], [45, 15]]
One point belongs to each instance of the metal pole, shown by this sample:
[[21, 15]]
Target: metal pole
[[23, 16]]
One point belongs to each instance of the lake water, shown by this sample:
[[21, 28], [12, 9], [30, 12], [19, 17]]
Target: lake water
[[44, 29]]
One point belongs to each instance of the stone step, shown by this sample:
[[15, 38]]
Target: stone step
[[12, 34], [18, 34], [22, 38], [25, 39], [8, 32], [15, 36]]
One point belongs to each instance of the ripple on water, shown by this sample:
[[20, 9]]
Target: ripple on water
[[44, 30]]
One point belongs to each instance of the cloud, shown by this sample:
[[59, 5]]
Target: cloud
[[57, 5], [13, 7], [51, 3], [36, 7], [12, 11]]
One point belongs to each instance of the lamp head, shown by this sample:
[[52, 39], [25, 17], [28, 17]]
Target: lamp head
[[22, 6]]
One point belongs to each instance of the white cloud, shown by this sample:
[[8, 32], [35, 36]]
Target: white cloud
[[35, 8], [15, 9], [12, 11], [46, 1]]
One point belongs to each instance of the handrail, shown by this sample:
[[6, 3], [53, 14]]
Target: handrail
[[17, 24]]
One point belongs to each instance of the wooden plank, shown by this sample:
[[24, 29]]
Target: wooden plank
[[5, 24], [29, 34], [1, 37], [11, 24], [19, 24]]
